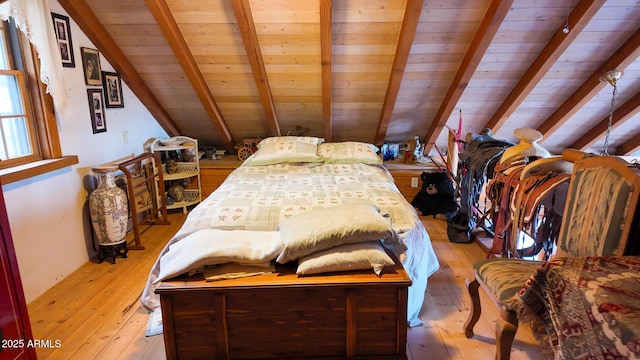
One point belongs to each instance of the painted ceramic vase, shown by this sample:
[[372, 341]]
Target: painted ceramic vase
[[108, 208]]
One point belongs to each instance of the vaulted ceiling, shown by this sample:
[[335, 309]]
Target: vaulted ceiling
[[377, 70]]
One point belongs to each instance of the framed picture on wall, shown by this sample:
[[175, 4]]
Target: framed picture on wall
[[96, 109], [91, 65], [112, 86], [63, 35]]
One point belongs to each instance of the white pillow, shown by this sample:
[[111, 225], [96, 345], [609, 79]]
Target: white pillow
[[359, 256], [324, 228], [278, 139], [285, 149], [349, 152]]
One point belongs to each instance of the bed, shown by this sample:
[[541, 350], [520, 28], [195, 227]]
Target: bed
[[292, 186]]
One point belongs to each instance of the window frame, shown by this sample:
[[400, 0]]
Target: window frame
[[28, 115], [40, 105]]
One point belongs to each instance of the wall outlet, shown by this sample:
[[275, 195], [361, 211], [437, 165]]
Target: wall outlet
[[125, 137], [414, 182]]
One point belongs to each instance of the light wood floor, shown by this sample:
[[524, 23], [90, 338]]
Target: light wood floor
[[96, 313]]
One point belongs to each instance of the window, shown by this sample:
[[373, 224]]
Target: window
[[29, 142], [17, 131]]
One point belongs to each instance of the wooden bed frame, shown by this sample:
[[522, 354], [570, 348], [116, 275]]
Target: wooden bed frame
[[280, 315]]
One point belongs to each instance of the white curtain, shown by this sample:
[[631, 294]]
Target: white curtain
[[33, 18]]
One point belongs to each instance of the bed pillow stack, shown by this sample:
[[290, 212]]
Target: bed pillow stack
[[338, 238], [309, 149]]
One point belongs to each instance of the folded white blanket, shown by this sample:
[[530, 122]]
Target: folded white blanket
[[214, 246], [234, 271]]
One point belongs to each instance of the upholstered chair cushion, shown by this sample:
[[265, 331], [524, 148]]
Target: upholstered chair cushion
[[504, 277]]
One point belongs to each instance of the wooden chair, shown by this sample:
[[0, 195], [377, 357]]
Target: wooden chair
[[600, 215]]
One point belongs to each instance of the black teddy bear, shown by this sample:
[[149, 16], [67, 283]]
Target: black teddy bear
[[436, 197]]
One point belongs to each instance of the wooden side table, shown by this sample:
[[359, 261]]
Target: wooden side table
[[407, 176], [213, 172]]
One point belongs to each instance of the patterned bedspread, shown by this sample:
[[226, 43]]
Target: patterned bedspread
[[259, 197], [587, 308]]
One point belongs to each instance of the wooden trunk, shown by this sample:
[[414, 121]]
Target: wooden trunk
[[281, 315]]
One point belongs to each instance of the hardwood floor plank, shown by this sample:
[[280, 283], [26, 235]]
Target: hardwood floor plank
[[96, 311], [424, 342], [87, 309], [130, 341], [92, 325]]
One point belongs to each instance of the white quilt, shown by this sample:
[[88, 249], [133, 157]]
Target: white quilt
[[257, 198], [214, 246]]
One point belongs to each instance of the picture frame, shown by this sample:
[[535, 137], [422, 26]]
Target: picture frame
[[96, 109], [63, 35], [91, 66], [112, 86]]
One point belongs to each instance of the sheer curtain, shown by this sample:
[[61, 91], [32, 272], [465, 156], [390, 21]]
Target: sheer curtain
[[33, 18]]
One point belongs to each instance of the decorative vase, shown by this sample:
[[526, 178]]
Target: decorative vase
[[527, 149], [109, 214]]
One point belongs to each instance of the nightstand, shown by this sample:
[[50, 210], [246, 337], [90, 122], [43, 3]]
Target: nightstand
[[407, 176], [213, 172]]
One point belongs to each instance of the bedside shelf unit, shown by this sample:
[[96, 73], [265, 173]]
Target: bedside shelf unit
[[184, 150]]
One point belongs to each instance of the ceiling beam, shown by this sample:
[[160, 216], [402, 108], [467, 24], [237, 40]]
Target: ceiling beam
[[496, 12], [620, 59], [326, 32], [92, 27], [630, 146], [405, 40], [620, 115], [577, 20], [242, 10], [167, 23]]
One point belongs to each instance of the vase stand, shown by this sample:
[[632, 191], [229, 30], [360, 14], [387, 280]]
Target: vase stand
[[112, 251]]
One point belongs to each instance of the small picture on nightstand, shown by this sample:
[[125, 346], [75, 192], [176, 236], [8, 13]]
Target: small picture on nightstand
[[390, 151]]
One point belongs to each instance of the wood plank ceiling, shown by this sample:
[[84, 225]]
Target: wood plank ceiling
[[377, 70]]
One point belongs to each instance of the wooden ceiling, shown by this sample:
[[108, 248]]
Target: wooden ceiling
[[377, 70]]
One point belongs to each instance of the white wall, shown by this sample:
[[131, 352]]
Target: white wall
[[48, 214]]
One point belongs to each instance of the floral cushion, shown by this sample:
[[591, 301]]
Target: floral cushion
[[504, 277]]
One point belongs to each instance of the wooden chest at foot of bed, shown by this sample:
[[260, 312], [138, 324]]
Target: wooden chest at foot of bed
[[283, 316]]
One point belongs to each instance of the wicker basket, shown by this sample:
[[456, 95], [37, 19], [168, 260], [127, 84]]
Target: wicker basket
[[191, 195], [187, 166]]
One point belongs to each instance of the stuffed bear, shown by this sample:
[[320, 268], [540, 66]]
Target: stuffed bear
[[436, 197], [409, 156]]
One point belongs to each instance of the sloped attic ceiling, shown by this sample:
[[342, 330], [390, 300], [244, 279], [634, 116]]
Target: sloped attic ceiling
[[377, 70]]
